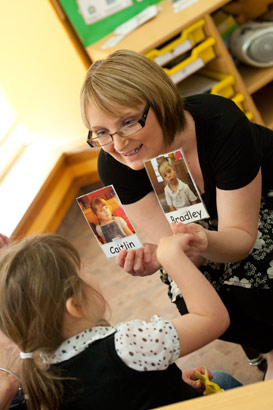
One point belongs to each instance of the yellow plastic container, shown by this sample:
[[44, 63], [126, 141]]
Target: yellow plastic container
[[200, 55], [225, 88], [238, 99], [186, 41], [225, 84]]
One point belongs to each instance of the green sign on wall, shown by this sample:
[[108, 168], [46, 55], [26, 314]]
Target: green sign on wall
[[90, 33]]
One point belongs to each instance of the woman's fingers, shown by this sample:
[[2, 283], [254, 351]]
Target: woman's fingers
[[131, 261], [140, 262], [120, 258]]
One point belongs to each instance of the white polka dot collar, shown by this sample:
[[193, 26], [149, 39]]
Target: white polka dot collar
[[78, 343]]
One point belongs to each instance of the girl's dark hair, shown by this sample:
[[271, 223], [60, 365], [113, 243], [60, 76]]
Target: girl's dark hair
[[38, 275]]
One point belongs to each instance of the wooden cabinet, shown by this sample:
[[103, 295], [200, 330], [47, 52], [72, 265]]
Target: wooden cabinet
[[252, 87]]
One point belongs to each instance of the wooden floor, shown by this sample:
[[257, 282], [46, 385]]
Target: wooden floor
[[134, 297]]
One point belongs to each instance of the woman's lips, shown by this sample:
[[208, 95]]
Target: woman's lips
[[133, 152]]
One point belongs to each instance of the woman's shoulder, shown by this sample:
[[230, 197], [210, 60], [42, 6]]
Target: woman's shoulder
[[212, 108]]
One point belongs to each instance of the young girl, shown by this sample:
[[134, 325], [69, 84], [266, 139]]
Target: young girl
[[51, 307]]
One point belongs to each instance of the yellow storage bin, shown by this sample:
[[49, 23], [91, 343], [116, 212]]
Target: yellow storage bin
[[186, 41], [225, 88], [200, 55], [225, 84], [238, 99]]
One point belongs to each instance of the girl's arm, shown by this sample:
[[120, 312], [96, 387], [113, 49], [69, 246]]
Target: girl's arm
[[9, 359], [207, 318]]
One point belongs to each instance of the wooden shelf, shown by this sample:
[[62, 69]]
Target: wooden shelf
[[255, 78], [158, 30], [262, 100], [71, 172]]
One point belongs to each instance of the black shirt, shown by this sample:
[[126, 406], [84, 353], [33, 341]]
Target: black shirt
[[231, 150], [102, 381]]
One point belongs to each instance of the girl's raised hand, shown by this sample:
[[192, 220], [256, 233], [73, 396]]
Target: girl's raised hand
[[139, 262], [199, 241]]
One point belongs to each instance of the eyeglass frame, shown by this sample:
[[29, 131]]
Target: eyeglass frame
[[141, 121]]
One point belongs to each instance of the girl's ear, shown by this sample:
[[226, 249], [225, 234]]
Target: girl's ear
[[73, 307]]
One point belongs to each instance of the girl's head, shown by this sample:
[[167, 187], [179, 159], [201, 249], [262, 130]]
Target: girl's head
[[101, 209], [128, 79], [39, 275]]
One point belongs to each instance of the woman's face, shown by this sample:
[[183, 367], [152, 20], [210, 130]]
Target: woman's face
[[133, 150]]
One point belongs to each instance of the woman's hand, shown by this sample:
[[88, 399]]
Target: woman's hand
[[199, 241], [139, 262], [190, 378]]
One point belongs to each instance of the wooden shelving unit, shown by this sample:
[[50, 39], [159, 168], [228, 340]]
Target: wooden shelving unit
[[167, 24], [262, 99], [255, 78]]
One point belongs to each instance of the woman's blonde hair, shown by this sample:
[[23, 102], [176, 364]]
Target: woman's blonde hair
[[38, 275], [127, 78]]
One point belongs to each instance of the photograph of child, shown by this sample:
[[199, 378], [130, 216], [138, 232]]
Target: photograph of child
[[109, 226], [177, 193], [107, 219], [175, 188]]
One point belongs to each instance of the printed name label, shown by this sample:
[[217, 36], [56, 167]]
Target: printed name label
[[190, 214], [111, 249]]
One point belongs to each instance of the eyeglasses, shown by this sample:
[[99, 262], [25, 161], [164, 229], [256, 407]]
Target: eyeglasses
[[104, 137]]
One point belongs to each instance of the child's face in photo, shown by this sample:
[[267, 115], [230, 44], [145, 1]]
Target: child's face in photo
[[104, 213], [168, 173]]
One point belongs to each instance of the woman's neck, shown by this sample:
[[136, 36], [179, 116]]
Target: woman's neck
[[185, 139]]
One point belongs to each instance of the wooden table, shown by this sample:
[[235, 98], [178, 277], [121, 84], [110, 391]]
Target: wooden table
[[257, 396]]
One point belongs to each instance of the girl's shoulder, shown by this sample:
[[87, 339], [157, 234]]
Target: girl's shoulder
[[147, 346]]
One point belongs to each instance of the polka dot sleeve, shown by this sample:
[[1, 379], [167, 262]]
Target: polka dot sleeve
[[147, 346]]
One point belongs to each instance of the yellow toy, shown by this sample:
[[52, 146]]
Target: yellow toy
[[210, 387], [245, 10]]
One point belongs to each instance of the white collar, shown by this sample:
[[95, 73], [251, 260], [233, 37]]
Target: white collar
[[76, 344]]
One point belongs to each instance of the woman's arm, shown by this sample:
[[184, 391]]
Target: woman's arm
[[238, 212], [207, 318], [148, 217], [127, 230]]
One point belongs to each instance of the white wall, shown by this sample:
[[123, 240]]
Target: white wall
[[41, 74]]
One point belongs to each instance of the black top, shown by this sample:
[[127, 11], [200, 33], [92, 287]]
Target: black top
[[104, 382], [231, 150]]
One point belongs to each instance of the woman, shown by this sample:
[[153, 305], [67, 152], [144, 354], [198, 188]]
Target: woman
[[134, 112]]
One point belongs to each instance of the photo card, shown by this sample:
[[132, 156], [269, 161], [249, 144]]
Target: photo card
[[108, 221], [175, 188]]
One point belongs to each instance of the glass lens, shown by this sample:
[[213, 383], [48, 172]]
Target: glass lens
[[98, 141], [129, 129]]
